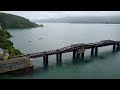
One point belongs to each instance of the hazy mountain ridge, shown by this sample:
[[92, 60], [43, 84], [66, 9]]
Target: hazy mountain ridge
[[85, 19]]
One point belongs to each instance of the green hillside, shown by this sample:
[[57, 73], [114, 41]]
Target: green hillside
[[9, 21], [7, 44]]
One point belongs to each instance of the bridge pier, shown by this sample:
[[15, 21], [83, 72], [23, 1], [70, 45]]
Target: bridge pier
[[92, 51], [78, 55], [82, 55], [74, 54], [45, 60], [118, 46], [114, 47], [59, 57], [96, 51]]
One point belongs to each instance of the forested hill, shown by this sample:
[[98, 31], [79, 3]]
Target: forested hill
[[9, 21], [7, 44]]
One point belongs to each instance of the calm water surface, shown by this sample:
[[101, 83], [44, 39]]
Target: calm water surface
[[57, 35]]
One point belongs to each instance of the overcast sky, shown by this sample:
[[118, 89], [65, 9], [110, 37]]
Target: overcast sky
[[57, 14]]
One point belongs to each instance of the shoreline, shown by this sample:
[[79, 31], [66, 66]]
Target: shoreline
[[28, 69], [17, 65]]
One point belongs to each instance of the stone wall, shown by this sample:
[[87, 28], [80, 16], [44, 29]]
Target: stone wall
[[14, 64]]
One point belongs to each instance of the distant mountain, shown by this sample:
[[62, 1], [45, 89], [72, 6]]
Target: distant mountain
[[85, 19], [13, 21]]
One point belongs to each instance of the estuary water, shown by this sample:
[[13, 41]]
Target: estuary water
[[57, 35]]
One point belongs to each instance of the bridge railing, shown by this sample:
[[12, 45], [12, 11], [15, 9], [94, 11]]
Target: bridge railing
[[74, 46]]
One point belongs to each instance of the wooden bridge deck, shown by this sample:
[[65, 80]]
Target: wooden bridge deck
[[73, 47]]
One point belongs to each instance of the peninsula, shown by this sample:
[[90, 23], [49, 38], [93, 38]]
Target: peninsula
[[9, 21], [8, 53]]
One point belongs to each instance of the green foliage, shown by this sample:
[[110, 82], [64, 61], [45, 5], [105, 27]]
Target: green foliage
[[13, 52], [5, 34], [4, 43], [13, 21], [7, 44]]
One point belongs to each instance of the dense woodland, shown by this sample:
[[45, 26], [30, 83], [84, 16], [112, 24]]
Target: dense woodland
[[9, 21]]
